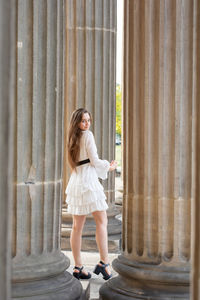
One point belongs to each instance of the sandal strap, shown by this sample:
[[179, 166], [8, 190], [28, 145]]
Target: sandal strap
[[77, 268], [103, 264]]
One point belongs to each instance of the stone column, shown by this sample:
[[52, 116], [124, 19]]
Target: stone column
[[90, 83], [7, 42], [38, 264], [195, 272], [159, 70]]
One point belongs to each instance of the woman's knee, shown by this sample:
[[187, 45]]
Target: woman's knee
[[101, 219], [77, 225], [76, 228]]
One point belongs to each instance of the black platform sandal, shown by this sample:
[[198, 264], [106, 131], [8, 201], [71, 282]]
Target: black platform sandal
[[80, 274], [102, 269]]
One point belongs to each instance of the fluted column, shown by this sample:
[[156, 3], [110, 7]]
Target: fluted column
[[7, 70], [195, 272], [158, 145], [38, 264], [90, 77]]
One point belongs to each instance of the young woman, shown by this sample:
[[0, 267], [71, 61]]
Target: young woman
[[85, 194]]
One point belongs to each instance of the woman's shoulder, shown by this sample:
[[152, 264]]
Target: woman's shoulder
[[88, 137], [87, 133]]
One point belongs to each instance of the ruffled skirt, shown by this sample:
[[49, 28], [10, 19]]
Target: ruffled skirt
[[84, 192]]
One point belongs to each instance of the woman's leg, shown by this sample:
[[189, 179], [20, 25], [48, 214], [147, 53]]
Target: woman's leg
[[76, 238], [102, 235]]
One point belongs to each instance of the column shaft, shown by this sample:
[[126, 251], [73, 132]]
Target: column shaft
[[195, 272], [90, 71], [7, 74], [38, 264], [158, 88], [90, 81]]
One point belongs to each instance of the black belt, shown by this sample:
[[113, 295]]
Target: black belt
[[82, 162]]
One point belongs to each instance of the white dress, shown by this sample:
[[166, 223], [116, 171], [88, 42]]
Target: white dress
[[84, 191]]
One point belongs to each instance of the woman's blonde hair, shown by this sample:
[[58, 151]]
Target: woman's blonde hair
[[74, 136]]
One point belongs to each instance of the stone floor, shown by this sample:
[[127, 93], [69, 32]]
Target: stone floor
[[90, 259]]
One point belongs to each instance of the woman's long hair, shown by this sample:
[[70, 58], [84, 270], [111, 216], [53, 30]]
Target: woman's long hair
[[74, 136]]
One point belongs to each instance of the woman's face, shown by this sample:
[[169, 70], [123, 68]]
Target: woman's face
[[85, 122]]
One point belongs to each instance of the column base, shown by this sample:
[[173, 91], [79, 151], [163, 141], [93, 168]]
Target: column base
[[146, 281], [61, 287], [34, 267]]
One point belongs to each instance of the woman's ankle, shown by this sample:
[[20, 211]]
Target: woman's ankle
[[104, 261], [78, 265]]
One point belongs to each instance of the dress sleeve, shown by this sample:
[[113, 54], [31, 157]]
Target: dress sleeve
[[101, 166]]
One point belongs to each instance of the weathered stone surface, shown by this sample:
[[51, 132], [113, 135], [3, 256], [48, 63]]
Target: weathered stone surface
[[7, 71], [39, 267], [61, 287], [158, 139], [195, 272]]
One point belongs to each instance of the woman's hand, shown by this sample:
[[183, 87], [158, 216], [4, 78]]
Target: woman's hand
[[113, 165]]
